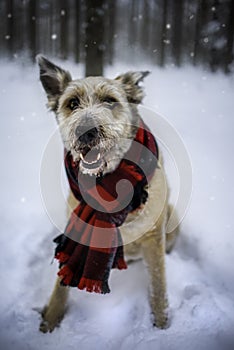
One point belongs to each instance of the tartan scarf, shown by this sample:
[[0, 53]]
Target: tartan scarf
[[91, 244]]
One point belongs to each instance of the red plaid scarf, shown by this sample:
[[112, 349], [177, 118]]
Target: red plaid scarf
[[92, 245]]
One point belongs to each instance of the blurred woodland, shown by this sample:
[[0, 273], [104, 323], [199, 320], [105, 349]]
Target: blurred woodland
[[99, 32]]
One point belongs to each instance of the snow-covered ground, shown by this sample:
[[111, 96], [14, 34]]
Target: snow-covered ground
[[200, 270]]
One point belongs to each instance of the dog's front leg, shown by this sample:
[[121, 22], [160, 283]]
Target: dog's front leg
[[154, 256], [53, 313]]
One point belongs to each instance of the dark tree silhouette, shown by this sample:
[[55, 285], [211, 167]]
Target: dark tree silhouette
[[10, 27], [110, 30], [32, 34], [77, 29], [177, 32], [230, 37], [64, 16], [94, 41], [164, 33]]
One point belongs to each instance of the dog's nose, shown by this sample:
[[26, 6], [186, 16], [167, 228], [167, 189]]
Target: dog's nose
[[86, 136]]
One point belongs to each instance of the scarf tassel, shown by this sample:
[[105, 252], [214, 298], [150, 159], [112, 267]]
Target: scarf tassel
[[62, 257], [93, 286], [121, 264], [66, 274]]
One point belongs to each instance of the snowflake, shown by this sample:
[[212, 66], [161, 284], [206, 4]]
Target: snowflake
[[54, 36], [63, 12], [206, 40], [168, 26], [7, 37]]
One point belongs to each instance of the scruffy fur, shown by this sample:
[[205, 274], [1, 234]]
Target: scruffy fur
[[109, 108]]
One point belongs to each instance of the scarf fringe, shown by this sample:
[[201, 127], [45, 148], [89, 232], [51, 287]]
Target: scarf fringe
[[62, 257], [121, 264], [93, 286], [66, 275]]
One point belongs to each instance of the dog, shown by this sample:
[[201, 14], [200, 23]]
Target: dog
[[101, 115]]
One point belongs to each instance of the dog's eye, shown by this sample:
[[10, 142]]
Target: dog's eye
[[109, 99], [73, 104]]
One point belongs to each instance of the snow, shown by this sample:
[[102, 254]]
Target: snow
[[200, 269]]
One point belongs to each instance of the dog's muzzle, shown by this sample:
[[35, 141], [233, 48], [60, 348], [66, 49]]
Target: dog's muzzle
[[91, 156]]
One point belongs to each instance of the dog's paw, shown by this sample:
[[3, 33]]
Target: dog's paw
[[162, 321], [50, 320]]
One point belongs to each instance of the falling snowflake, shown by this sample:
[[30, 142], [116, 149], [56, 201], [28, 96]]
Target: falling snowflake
[[7, 37], [168, 26], [23, 200], [9, 15], [192, 54], [54, 36], [63, 12], [206, 40]]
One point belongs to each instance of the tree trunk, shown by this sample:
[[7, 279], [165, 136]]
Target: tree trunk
[[94, 44], [230, 37], [77, 29], [164, 33], [177, 31], [64, 16], [32, 34]]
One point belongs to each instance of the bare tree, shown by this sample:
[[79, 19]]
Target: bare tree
[[94, 41], [177, 33], [77, 29], [64, 17], [10, 27], [110, 30], [164, 32], [32, 34], [230, 37]]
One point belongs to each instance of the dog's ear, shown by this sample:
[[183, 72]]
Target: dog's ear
[[130, 82], [54, 80]]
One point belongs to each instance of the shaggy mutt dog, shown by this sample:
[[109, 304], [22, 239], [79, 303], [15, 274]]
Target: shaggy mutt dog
[[98, 121]]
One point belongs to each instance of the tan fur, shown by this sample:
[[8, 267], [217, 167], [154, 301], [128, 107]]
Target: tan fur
[[144, 231]]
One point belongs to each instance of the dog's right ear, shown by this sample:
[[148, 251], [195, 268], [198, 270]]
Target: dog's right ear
[[54, 80]]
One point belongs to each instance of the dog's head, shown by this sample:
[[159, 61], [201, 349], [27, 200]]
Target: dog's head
[[97, 117]]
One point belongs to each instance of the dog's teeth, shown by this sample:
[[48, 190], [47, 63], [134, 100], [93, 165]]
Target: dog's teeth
[[98, 156], [81, 156]]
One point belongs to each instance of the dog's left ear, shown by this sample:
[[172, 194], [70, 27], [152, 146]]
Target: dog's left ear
[[130, 82], [54, 80]]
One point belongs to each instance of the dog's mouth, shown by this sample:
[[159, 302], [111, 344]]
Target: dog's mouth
[[92, 160]]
